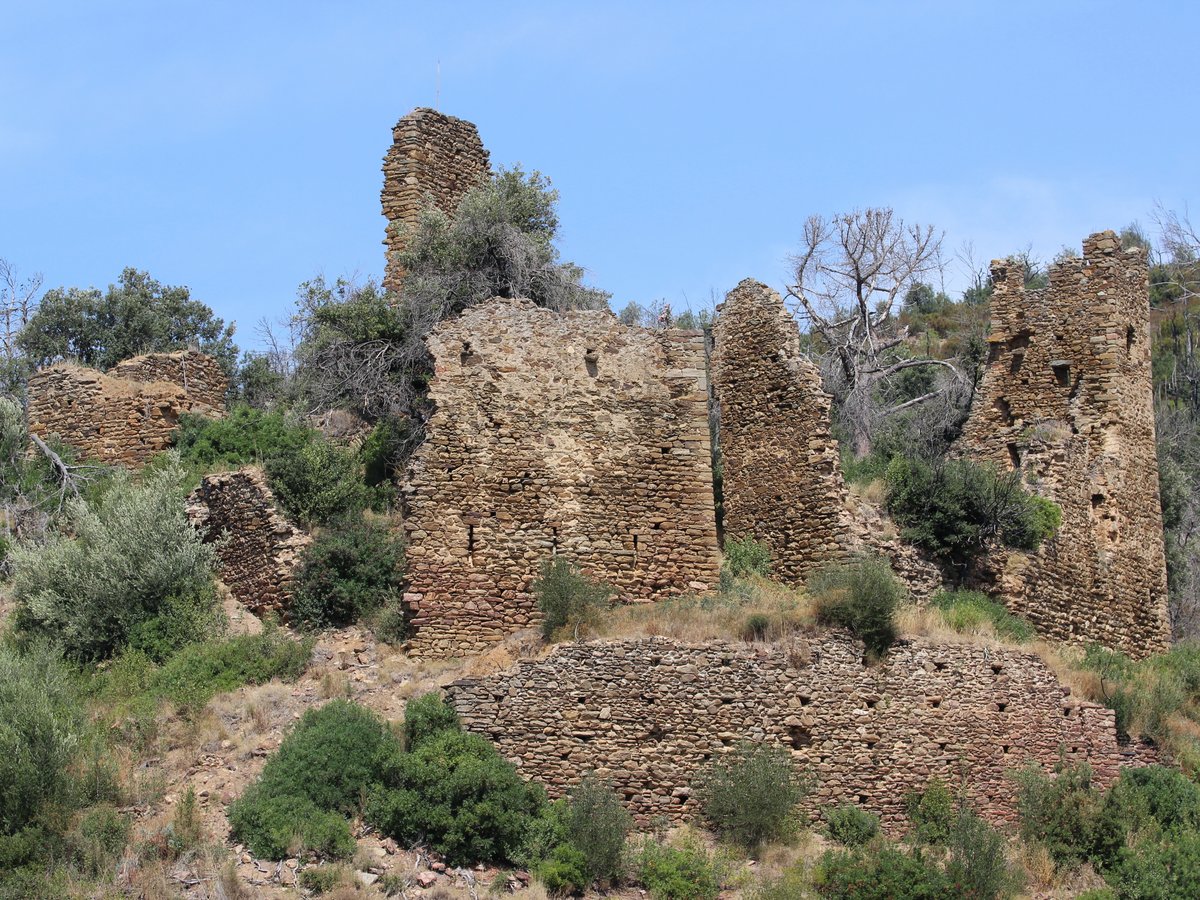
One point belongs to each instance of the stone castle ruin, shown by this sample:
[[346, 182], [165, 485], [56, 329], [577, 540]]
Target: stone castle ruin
[[782, 481], [433, 157], [1066, 401], [126, 415], [554, 433]]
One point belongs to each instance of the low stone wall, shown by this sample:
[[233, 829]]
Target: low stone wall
[[120, 417], [258, 548], [648, 714]]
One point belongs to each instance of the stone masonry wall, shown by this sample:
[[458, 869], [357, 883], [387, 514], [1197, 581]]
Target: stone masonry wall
[[648, 714], [119, 417], [555, 433], [259, 548], [433, 156], [782, 476], [1066, 399]]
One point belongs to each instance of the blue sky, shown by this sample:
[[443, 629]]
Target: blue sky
[[236, 147]]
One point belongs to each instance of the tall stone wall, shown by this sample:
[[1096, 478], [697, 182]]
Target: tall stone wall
[[555, 433], [649, 714], [433, 157], [257, 547], [125, 416], [1066, 400], [782, 476]]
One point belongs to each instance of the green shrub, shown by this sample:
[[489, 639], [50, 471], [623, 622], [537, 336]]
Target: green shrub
[[244, 436], [41, 729], [746, 556], [320, 483], [861, 597], [933, 812], [851, 825], [977, 865], [323, 768], [543, 835], [1152, 799], [130, 558], [201, 671], [749, 796], [1059, 812], [683, 872], [349, 570], [98, 838], [953, 508], [425, 717], [967, 610], [1155, 867], [567, 598], [885, 874], [322, 879], [282, 825], [757, 627], [597, 827], [564, 872], [456, 792]]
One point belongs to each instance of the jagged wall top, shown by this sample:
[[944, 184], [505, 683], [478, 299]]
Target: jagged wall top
[[432, 156]]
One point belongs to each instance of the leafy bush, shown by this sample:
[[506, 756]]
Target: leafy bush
[[953, 508], [1155, 867], [566, 597], [319, 483], [851, 825], [245, 436], [130, 558], [348, 571], [978, 866], [682, 872], [967, 610], [932, 812], [322, 769], [41, 728], [323, 879], [425, 717], [749, 796], [98, 839], [1059, 812], [455, 791], [746, 556], [564, 871], [862, 597], [597, 827], [886, 874]]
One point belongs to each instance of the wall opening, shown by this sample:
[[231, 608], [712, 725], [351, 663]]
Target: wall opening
[[1130, 337], [591, 362], [1062, 372], [1014, 456]]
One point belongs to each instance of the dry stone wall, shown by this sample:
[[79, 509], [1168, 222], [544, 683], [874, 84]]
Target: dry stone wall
[[126, 415], [1066, 400], [648, 714], [555, 433], [433, 157], [782, 476], [257, 548]]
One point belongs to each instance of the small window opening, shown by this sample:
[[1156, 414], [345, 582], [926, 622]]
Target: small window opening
[[935, 702], [635, 545], [1015, 365], [1130, 337], [799, 736], [863, 799], [997, 668], [871, 704], [1001, 405], [1062, 373], [470, 539], [1014, 456], [591, 362], [1004, 748], [1097, 501], [1001, 707], [939, 666], [467, 356]]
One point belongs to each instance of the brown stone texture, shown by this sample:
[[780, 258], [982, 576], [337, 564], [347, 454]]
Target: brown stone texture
[[782, 477], [555, 433], [258, 549], [126, 415], [1066, 399], [433, 157], [648, 714]]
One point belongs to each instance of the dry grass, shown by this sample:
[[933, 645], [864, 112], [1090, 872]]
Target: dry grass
[[756, 608], [929, 623]]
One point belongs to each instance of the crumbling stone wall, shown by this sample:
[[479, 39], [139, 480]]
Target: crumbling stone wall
[[127, 415], [1066, 400], [782, 475], [258, 548], [648, 714], [433, 157], [555, 433]]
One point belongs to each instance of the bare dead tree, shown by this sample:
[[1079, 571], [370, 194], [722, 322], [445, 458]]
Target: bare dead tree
[[18, 302], [848, 277], [1180, 243]]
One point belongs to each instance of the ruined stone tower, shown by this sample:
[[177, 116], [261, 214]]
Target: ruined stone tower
[[433, 156], [782, 477], [1066, 400]]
